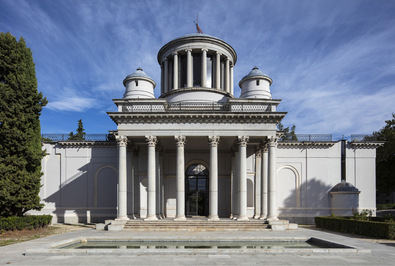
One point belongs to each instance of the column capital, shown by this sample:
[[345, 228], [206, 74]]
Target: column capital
[[151, 140], [242, 140], [174, 53], [204, 50], [165, 60], [272, 141], [258, 153], [213, 140], [180, 140], [188, 50], [218, 53], [122, 140]]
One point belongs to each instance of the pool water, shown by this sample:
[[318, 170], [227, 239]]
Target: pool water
[[180, 244]]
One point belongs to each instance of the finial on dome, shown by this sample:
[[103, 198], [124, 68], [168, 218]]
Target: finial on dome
[[255, 68], [139, 69], [198, 29]]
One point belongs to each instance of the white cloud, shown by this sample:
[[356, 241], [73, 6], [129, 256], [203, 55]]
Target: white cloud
[[77, 104]]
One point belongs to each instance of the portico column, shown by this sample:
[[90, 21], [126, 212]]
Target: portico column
[[227, 76], [180, 211], [189, 68], [264, 181], [175, 71], [231, 80], [213, 182], [122, 178], [166, 76], [243, 178], [151, 141], [258, 179], [130, 183], [204, 67], [272, 211], [218, 71]]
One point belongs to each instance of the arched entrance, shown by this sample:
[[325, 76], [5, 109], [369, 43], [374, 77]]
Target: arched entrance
[[196, 190]]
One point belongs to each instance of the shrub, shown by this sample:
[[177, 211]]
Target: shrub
[[24, 222], [386, 206], [349, 225]]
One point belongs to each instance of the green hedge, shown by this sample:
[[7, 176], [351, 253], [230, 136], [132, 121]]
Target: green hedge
[[386, 206], [349, 225], [24, 222]]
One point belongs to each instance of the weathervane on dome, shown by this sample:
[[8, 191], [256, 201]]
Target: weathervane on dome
[[198, 29]]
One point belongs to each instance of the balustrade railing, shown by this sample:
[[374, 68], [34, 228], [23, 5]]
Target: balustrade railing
[[307, 137], [67, 137]]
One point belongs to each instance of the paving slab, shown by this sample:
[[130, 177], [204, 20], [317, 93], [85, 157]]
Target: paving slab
[[379, 254]]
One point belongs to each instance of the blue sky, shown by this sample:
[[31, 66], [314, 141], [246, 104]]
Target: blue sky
[[332, 62]]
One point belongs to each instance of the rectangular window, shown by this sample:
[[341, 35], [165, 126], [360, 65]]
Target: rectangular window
[[257, 82], [197, 69]]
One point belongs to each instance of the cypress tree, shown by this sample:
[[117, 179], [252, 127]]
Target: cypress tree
[[80, 135], [20, 137]]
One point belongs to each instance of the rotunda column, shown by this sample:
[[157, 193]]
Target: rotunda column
[[218, 70], [175, 71], [272, 211], [189, 68], [151, 210], [204, 67], [227, 76], [122, 178], [242, 140], [231, 80], [213, 178], [166, 76], [264, 181], [180, 211], [258, 179]]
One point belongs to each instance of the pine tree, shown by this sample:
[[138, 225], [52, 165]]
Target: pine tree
[[20, 138], [80, 135], [287, 133]]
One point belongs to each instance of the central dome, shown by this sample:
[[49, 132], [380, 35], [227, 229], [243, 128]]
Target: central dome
[[197, 68]]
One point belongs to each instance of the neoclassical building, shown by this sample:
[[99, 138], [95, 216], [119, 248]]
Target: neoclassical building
[[198, 150]]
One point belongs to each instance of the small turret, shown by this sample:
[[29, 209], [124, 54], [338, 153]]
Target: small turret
[[139, 85], [255, 85]]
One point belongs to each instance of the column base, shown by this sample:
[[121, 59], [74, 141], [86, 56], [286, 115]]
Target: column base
[[242, 218], [213, 218], [151, 218], [262, 217], [122, 218], [181, 218], [270, 219], [257, 216]]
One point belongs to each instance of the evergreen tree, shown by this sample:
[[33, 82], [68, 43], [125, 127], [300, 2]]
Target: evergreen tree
[[385, 157], [289, 134], [80, 135], [20, 138]]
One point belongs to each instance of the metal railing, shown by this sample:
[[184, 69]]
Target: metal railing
[[66, 137], [308, 137]]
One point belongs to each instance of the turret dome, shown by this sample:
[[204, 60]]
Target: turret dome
[[139, 85], [255, 85]]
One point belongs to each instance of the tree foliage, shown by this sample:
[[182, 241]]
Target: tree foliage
[[385, 157], [20, 139], [80, 135], [289, 133]]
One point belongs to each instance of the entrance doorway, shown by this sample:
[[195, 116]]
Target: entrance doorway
[[196, 189]]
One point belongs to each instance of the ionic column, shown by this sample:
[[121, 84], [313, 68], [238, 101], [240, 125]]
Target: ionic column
[[258, 164], [189, 68], [213, 179], [231, 80], [227, 76], [130, 184], [157, 181], [232, 178], [175, 71], [272, 210], [204, 68], [242, 141], [151, 141], [218, 70], [166, 76], [264, 181], [122, 178], [180, 211]]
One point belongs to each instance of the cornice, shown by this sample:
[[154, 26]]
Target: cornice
[[366, 144], [185, 117], [305, 144]]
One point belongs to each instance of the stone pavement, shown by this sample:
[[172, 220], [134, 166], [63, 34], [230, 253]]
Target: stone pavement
[[380, 254]]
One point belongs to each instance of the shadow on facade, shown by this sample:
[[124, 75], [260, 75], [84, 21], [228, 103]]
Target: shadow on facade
[[305, 202], [88, 196]]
